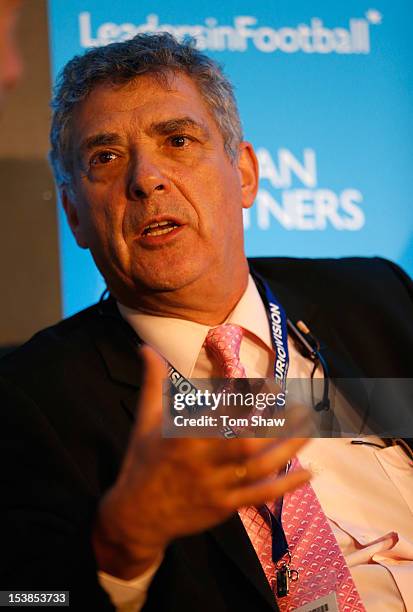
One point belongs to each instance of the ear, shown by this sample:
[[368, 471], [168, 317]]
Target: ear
[[248, 169], [70, 206]]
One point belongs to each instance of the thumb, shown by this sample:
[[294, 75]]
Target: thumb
[[149, 409]]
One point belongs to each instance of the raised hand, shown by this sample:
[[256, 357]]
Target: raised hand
[[169, 488]]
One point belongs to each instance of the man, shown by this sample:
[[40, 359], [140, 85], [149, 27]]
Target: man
[[148, 154]]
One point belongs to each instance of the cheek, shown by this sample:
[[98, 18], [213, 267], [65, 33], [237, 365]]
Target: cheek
[[223, 203], [102, 215]]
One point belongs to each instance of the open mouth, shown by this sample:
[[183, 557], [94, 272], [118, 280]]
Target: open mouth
[[159, 228]]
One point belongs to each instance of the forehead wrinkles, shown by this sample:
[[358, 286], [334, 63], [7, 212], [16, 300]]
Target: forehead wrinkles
[[162, 90], [108, 109]]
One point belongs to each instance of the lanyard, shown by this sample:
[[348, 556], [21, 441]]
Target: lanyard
[[277, 320]]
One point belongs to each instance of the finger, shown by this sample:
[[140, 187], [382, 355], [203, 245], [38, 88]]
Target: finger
[[271, 460], [263, 462], [237, 450], [266, 491], [299, 426], [149, 409]]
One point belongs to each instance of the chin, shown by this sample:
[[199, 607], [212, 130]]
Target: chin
[[167, 278], [165, 283]]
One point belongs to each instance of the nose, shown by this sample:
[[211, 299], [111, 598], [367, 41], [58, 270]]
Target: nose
[[147, 178]]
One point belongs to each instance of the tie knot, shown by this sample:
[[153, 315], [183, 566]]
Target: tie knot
[[224, 343]]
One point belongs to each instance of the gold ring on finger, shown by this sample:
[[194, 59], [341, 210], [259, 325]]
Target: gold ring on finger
[[240, 472]]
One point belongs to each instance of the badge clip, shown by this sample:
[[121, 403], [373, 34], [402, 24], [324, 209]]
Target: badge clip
[[284, 575]]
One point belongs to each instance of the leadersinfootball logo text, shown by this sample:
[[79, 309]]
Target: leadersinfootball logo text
[[244, 34]]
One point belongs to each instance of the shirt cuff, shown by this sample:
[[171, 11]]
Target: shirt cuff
[[128, 595]]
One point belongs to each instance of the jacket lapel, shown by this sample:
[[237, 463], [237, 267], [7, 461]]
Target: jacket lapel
[[342, 369], [118, 346], [234, 541], [344, 372]]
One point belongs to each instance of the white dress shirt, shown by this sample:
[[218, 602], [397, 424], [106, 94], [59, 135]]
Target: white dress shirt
[[365, 492]]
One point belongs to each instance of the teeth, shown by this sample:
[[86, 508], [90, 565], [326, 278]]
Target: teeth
[[160, 231], [158, 228], [158, 224]]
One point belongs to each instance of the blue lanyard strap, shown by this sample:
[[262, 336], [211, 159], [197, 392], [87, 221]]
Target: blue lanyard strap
[[279, 544], [277, 320]]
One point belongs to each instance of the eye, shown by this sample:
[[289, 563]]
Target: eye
[[179, 141], [103, 157]]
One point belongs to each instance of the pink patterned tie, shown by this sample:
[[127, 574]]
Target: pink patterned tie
[[224, 343], [315, 551]]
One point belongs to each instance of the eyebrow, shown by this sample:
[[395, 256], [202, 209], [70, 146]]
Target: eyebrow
[[158, 128], [171, 126], [99, 140]]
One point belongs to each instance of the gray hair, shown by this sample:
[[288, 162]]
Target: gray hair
[[117, 63]]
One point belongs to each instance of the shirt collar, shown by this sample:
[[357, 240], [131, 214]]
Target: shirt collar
[[180, 341]]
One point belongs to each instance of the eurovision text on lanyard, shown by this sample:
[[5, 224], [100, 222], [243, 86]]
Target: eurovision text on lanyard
[[307, 343]]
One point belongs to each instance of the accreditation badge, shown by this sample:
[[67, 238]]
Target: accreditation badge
[[327, 603]]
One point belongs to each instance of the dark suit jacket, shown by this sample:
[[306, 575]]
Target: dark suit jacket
[[68, 398]]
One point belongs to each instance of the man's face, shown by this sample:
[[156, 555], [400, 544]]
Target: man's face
[[10, 60], [155, 197]]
